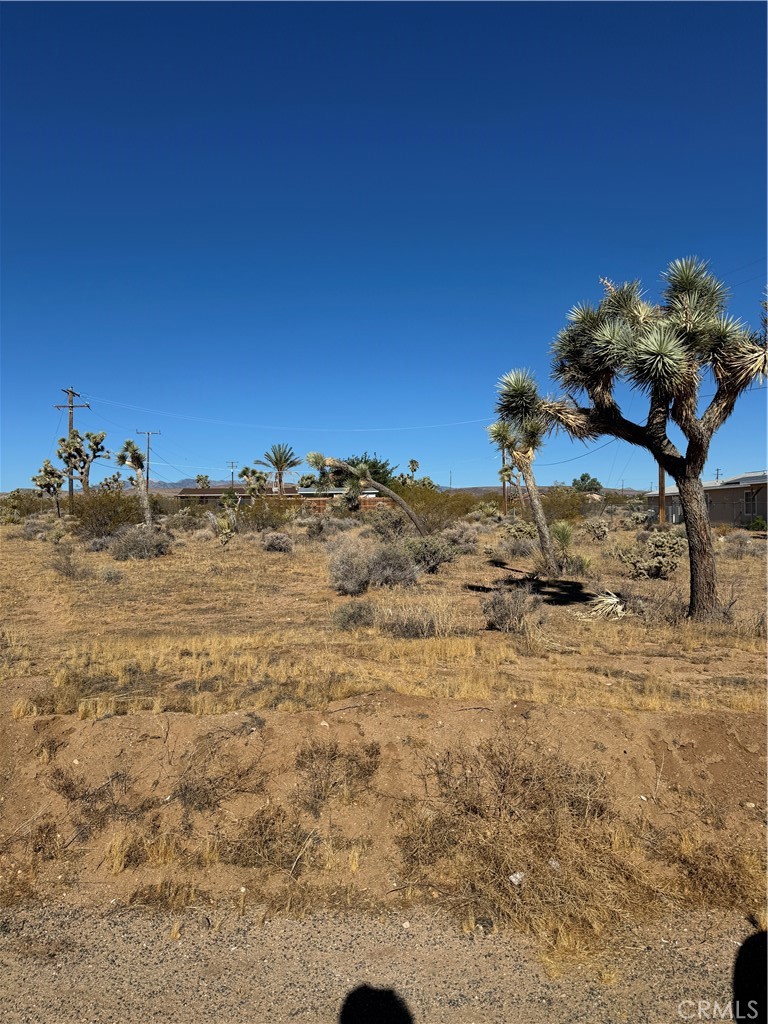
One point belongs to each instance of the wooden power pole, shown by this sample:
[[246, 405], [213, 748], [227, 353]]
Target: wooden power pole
[[662, 496], [232, 466], [146, 461], [70, 407]]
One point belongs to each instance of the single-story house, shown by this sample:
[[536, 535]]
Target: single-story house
[[309, 496], [735, 500]]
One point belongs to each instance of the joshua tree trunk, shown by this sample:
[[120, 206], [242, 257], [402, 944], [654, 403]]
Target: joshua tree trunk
[[703, 598], [365, 477], [504, 481], [537, 511], [141, 487], [416, 520]]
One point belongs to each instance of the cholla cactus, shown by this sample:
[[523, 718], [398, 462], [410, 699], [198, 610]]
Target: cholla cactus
[[656, 559]]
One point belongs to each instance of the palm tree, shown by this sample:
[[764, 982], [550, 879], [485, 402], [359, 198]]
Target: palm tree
[[500, 434], [413, 466], [519, 406], [280, 458], [665, 351], [131, 455]]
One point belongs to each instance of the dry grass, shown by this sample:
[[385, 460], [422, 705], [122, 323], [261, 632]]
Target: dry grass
[[512, 836], [240, 628]]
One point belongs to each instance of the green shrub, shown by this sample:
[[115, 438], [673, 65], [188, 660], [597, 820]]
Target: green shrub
[[103, 513], [758, 523], [266, 514], [17, 505], [563, 503], [437, 509], [429, 553], [388, 524]]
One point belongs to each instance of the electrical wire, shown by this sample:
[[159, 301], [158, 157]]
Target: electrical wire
[[272, 426]]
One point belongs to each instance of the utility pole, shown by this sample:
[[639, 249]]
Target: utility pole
[[146, 462], [232, 466], [70, 406], [450, 480], [662, 496], [717, 474], [622, 488]]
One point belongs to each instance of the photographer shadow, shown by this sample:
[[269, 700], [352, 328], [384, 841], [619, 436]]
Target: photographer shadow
[[367, 1005]]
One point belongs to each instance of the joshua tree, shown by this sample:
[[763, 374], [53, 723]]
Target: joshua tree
[[360, 474], [130, 455], [664, 351], [307, 480], [114, 483], [203, 481], [412, 467], [255, 479], [49, 480], [280, 458], [523, 436], [78, 452]]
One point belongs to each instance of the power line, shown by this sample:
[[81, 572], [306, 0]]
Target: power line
[[577, 457], [272, 426]]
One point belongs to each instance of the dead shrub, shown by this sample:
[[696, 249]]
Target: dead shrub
[[277, 542], [270, 838], [140, 542], [45, 841], [65, 564], [326, 771], [168, 895]]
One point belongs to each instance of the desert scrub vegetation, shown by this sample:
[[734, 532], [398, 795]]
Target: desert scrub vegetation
[[326, 771], [419, 618], [510, 836], [656, 556], [139, 542], [277, 542], [519, 612]]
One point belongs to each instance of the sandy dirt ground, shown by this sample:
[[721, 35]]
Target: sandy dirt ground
[[73, 967]]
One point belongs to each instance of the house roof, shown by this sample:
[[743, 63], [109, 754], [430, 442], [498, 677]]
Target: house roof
[[755, 478]]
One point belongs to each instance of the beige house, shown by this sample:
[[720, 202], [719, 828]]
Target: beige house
[[736, 500]]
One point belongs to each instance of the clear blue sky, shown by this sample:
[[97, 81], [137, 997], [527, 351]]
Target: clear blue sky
[[336, 225]]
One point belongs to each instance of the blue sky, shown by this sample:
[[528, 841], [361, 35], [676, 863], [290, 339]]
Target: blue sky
[[336, 225]]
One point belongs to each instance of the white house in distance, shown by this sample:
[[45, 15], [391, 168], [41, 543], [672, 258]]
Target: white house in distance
[[735, 500]]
